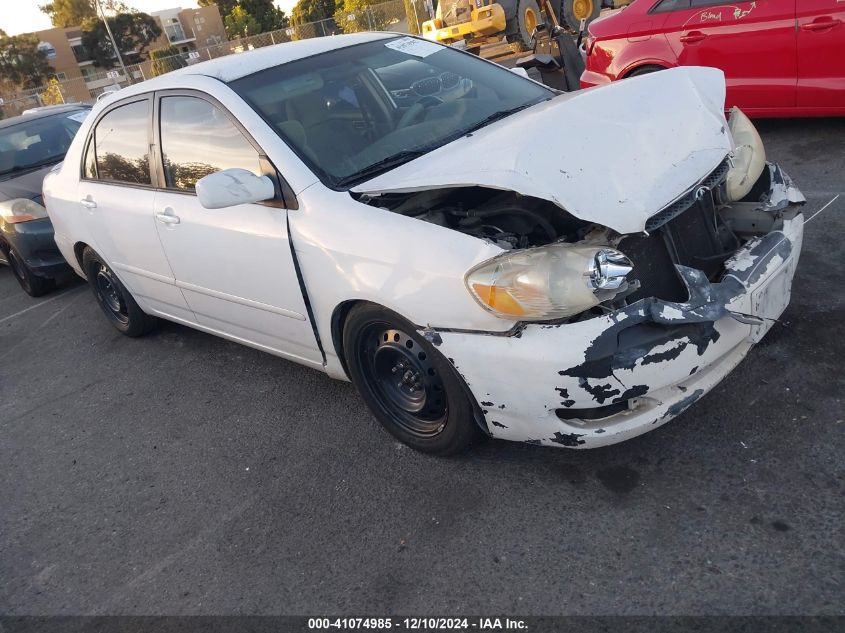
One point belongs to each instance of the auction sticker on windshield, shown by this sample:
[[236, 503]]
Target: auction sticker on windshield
[[413, 46]]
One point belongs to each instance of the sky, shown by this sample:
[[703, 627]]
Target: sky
[[27, 17]]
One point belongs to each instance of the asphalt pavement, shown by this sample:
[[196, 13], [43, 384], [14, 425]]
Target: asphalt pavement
[[183, 474]]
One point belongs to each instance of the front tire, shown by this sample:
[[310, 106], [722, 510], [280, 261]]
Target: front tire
[[122, 311], [413, 391], [32, 284]]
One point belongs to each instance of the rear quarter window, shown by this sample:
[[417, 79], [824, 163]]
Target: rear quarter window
[[672, 5]]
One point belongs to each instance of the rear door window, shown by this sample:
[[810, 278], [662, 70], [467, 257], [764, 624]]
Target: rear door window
[[122, 145]]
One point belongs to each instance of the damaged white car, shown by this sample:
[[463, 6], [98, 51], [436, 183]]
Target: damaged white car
[[478, 254]]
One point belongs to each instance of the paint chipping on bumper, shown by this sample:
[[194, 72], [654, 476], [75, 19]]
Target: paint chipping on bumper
[[610, 378]]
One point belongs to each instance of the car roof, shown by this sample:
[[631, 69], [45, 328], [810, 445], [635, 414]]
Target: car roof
[[41, 114], [239, 65]]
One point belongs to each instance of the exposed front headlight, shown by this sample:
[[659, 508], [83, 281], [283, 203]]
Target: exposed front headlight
[[21, 210], [549, 282], [749, 156]]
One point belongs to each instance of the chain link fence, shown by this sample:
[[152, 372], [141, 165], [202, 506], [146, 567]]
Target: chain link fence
[[385, 16]]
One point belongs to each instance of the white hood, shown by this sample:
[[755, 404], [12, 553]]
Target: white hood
[[614, 155]]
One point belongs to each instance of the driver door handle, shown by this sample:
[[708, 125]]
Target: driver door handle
[[88, 203], [167, 218], [693, 37]]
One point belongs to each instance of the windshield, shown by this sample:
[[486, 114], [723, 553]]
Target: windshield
[[37, 141], [357, 111]]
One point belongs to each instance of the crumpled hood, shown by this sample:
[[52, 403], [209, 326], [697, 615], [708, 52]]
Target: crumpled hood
[[614, 155]]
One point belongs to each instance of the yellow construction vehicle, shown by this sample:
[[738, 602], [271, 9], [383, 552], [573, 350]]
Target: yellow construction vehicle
[[475, 20]]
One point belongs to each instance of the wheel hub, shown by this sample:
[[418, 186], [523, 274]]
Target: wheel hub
[[582, 9], [407, 382], [110, 296], [530, 20]]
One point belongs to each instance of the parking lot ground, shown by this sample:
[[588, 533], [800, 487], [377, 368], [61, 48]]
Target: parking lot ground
[[183, 474]]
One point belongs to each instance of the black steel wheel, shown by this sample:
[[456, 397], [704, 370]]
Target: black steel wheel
[[405, 378], [412, 390], [110, 298], [120, 308]]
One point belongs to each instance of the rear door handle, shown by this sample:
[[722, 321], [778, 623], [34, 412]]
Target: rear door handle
[[693, 37], [167, 218], [821, 24], [88, 203]]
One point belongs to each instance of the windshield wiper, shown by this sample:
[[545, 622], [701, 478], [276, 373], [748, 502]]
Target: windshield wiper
[[500, 114], [379, 167], [19, 168]]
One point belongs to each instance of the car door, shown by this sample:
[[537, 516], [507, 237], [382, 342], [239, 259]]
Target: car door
[[234, 265], [117, 197], [821, 54], [754, 43]]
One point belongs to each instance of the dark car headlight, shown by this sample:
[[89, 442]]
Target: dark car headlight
[[21, 210]]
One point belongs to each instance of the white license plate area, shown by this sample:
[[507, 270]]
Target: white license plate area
[[770, 300]]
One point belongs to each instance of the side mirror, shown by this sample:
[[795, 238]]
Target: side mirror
[[517, 70], [231, 187]]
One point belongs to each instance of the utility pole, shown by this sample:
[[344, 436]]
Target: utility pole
[[113, 43]]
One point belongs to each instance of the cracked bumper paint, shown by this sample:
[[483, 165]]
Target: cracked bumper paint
[[642, 365]]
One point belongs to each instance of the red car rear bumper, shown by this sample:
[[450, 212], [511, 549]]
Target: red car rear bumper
[[591, 78]]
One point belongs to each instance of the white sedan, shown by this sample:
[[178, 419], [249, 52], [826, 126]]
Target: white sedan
[[479, 254]]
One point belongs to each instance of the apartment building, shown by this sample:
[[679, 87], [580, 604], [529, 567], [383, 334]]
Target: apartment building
[[189, 29], [185, 29]]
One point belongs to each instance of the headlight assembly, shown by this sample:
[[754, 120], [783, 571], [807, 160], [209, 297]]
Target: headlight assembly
[[549, 282], [749, 156], [21, 210]]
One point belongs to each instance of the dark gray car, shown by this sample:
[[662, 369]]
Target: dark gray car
[[30, 145]]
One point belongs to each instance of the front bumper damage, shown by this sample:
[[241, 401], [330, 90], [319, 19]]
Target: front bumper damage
[[609, 378]]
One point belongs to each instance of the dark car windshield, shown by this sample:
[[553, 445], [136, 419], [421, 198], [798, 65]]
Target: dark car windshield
[[37, 141], [355, 112]]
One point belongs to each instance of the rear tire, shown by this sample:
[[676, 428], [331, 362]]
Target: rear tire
[[521, 27], [122, 311], [412, 390], [573, 11], [32, 284], [644, 70]]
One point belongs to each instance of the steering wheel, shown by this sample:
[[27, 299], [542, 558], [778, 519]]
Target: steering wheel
[[412, 115]]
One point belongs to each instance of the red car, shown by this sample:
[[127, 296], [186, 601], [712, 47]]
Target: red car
[[780, 57]]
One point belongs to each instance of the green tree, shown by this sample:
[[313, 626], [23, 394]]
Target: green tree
[[22, 65], [165, 60], [52, 94], [415, 16], [268, 16], [64, 13], [311, 11], [264, 12], [239, 24], [367, 16], [223, 6], [132, 32]]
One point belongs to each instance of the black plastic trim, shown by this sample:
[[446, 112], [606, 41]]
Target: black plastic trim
[[308, 309]]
